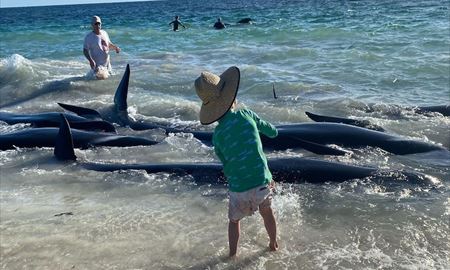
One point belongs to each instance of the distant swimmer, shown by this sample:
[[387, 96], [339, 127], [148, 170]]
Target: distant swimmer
[[176, 23], [219, 24], [96, 49], [246, 21]]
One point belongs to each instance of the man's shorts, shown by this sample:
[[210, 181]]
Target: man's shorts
[[246, 203]]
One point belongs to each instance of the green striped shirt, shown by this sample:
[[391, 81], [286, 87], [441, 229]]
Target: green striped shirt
[[238, 145]]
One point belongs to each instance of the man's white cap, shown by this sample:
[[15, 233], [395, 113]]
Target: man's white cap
[[96, 19]]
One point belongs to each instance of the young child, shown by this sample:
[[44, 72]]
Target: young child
[[238, 145]]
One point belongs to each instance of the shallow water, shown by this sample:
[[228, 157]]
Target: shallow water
[[368, 60]]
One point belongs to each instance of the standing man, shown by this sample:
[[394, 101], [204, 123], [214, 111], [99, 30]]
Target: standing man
[[219, 24], [176, 23], [96, 49]]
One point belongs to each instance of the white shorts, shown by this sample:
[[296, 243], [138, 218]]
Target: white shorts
[[246, 203]]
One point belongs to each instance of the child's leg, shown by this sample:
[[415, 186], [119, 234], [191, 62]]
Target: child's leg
[[271, 226], [233, 236]]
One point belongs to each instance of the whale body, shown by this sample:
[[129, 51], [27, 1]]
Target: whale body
[[245, 21], [45, 137], [353, 122], [442, 109], [288, 170], [52, 119], [310, 136]]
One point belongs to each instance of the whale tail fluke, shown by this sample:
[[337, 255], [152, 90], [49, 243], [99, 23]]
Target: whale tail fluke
[[64, 142], [81, 111], [120, 97]]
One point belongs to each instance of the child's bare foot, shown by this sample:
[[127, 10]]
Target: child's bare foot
[[273, 246]]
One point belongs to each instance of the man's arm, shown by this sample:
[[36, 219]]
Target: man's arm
[[89, 58], [113, 46]]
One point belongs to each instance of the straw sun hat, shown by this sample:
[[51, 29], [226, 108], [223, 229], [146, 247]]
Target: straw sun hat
[[217, 93]]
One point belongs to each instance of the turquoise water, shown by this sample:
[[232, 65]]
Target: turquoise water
[[374, 51], [370, 60]]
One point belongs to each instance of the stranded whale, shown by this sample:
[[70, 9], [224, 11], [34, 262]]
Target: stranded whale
[[52, 119], [289, 170], [442, 109], [353, 122], [303, 135], [45, 137], [246, 21]]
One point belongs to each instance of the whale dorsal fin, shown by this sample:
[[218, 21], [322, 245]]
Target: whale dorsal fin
[[64, 142], [274, 92], [82, 111], [120, 98]]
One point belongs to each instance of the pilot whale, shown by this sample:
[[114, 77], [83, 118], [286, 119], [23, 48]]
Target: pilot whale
[[117, 112], [353, 122], [52, 119], [310, 136], [246, 21], [288, 170], [353, 137], [45, 137], [442, 109]]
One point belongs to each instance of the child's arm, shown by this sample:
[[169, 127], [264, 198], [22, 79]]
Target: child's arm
[[264, 127]]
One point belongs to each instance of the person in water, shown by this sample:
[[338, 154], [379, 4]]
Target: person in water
[[219, 24], [96, 49], [238, 145], [176, 23]]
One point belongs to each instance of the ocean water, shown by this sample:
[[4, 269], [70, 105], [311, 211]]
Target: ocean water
[[368, 60]]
